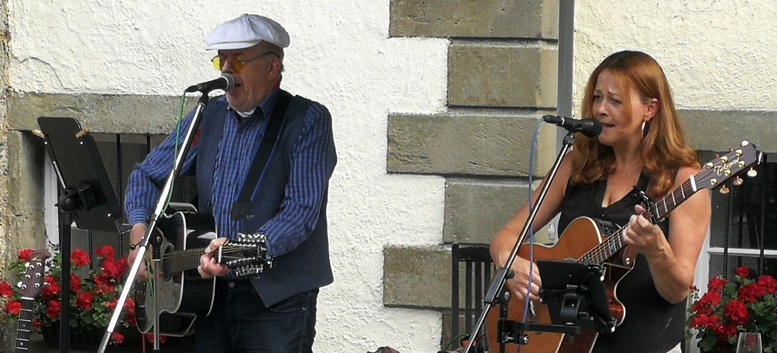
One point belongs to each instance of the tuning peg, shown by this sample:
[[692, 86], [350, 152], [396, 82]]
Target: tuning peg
[[737, 181], [724, 190], [752, 172]]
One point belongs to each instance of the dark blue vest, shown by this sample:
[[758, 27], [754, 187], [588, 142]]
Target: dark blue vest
[[303, 269]]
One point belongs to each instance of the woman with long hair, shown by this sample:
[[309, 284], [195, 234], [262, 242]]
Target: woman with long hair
[[641, 144]]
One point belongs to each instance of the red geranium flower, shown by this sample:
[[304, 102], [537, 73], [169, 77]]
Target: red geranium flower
[[6, 291], [24, 255], [117, 337], [53, 309], [716, 284], [745, 304], [736, 311], [750, 293], [79, 258], [105, 252], [150, 338], [84, 301], [13, 307], [94, 290], [75, 283], [51, 288], [768, 282]]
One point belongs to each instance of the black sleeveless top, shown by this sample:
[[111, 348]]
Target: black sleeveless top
[[651, 324]]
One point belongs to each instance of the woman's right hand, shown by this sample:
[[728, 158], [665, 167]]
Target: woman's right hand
[[519, 284]]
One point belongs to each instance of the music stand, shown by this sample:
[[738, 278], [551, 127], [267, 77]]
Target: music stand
[[576, 299], [87, 195], [575, 294]]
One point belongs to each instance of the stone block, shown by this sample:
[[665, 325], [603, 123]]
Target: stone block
[[417, 277], [719, 130], [474, 19], [475, 210], [98, 112], [468, 144], [496, 75], [24, 216]]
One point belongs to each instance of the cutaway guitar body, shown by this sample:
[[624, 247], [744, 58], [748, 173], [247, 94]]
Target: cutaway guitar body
[[582, 235]]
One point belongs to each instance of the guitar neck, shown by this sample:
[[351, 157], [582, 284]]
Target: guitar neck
[[189, 259], [613, 242], [183, 260], [24, 327], [667, 204]]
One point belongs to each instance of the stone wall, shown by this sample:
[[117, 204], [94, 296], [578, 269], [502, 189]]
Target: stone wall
[[502, 77]]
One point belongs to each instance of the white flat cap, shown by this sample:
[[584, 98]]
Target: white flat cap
[[246, 31]]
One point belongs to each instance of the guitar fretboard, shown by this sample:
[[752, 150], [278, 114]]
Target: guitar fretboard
[[183, 260], [189, 259], [24, 327], [613, 242]]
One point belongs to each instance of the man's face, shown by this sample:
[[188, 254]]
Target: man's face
[[256, 71]]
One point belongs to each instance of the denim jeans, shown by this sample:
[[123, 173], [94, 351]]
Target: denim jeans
[[240, 322]]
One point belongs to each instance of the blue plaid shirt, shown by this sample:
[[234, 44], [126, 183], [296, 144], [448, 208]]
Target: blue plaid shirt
[[312, 163]]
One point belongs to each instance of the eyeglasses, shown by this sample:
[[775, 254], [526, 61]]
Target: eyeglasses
[[236, 64]]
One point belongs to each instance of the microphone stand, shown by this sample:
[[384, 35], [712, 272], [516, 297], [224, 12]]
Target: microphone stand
[[152, 220], [497, 286]]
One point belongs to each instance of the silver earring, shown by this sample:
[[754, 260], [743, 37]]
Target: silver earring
[[643, 128]]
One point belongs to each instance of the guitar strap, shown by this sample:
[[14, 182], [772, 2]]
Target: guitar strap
[[272, 134]]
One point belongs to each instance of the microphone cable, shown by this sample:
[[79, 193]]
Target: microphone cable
[[532, 152]]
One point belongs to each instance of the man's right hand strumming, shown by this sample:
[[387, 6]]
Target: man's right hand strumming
[[136, 236]]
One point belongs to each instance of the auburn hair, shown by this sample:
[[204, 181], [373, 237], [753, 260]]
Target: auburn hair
[[664, 147]]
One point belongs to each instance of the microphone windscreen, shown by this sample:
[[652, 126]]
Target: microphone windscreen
[[230, 81]]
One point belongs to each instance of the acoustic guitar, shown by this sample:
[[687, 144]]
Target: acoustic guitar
[[183, 294], [31, 286], [598, 242]]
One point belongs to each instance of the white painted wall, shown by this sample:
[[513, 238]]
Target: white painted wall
[[340, 55], [716, 54]]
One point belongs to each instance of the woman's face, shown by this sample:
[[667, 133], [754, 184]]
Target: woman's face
[[620, 113]]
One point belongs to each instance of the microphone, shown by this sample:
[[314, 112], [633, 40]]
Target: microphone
[[589, 126], [226, 82]]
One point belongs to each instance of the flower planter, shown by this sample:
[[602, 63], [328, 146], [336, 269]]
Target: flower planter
[[133, 341], [89, 339]]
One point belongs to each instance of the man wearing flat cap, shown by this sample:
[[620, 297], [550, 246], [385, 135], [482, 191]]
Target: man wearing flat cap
[[263, 159]]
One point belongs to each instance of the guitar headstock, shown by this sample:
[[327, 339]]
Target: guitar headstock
[[247, 255], [32, 281], [714, 173]]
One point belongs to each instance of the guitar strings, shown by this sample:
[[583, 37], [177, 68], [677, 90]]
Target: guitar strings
[[196, 253], [600, 253], [182, 260]]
